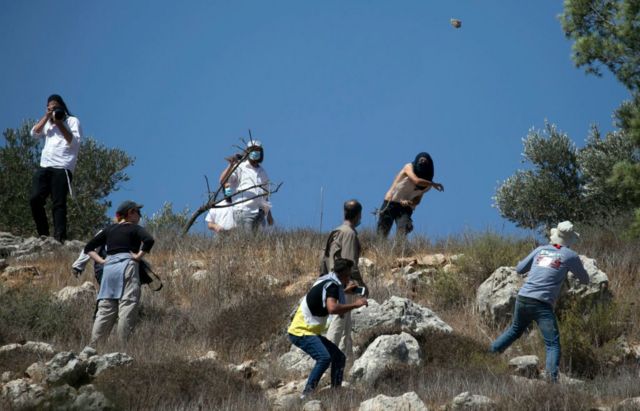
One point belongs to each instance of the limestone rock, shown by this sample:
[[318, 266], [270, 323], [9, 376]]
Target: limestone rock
[[90, 399], [100, 363], [398, 312], [432, 260], [297, 360], [22, 395], [83, 295], [6, 377], [209, 356], [87, 352], [66, 368], [315, 405], [42, 349], [199, 275], [629, 404], [468, 401], [406, 402], [525, 365], [384, 353], [247, 369], [598, 280], [496, 296], [37, 372], [287, 396]]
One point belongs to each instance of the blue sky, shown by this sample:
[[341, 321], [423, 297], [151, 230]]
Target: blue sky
[[342, 94]]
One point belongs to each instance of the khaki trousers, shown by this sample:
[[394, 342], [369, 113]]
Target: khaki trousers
[[339, 331], [124, 310]]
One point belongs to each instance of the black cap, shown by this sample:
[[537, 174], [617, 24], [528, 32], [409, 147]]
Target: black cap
[[125, 206]]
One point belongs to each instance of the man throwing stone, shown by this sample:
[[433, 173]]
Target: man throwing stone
[[326, 296]]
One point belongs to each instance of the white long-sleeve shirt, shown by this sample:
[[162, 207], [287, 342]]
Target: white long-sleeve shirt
[[57, 152]]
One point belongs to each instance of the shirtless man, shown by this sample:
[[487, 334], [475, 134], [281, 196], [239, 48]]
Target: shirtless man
[[405, 194]]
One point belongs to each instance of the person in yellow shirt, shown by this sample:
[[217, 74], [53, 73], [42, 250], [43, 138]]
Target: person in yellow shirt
[[326, 296]]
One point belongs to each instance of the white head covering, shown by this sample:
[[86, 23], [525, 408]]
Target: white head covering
[[564, 234]]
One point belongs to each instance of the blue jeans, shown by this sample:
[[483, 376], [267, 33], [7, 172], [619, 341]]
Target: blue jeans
[[325, 353], [526, 311]]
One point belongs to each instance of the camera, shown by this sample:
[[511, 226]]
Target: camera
[[58, 114]]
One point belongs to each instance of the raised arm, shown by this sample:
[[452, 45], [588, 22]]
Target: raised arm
[[39, 127], [408, 171]]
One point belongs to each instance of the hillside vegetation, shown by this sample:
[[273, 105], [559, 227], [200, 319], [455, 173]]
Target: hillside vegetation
[[247, 287]]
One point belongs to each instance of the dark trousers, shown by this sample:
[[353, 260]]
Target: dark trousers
[[391, 211], [50, 181]]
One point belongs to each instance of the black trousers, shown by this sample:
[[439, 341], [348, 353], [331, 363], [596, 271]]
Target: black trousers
[[50, 181], [391, 211]]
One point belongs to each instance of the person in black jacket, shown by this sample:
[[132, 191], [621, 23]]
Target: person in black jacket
[[126, 243]]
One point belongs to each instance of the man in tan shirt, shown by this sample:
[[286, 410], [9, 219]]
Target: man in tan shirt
[[343, 242]]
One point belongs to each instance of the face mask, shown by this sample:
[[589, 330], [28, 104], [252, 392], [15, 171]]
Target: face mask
[[228, 191], [255, 155]]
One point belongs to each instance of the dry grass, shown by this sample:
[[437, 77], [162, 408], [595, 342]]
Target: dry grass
[[239, 312]]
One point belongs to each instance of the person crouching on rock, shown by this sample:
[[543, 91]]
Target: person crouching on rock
[[547, 266], [326, 296], [126, 243]]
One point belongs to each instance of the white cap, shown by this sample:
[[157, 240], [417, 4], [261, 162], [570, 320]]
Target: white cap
[[254, 143]]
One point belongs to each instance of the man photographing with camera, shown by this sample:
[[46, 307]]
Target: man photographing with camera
[[62, 134]]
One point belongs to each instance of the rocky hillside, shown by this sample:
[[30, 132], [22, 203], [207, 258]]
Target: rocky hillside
[[215, 336]]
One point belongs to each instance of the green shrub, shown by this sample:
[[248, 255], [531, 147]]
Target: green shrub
[[33, 314], [587, 334], [485, 252]]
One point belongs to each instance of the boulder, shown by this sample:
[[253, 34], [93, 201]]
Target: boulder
[[42, 349], [297, 360], [400, 313], [21, 394], [468, 401], [89, 399], [496, 296], [66, 368], [598, 287], [84, 294], [100, 363], [384, 353], [406, 402], [525, 365]]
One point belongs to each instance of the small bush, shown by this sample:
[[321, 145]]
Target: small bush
[[449, 290], [586, 334], [177, 384], [33, 314], [485, 252]]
